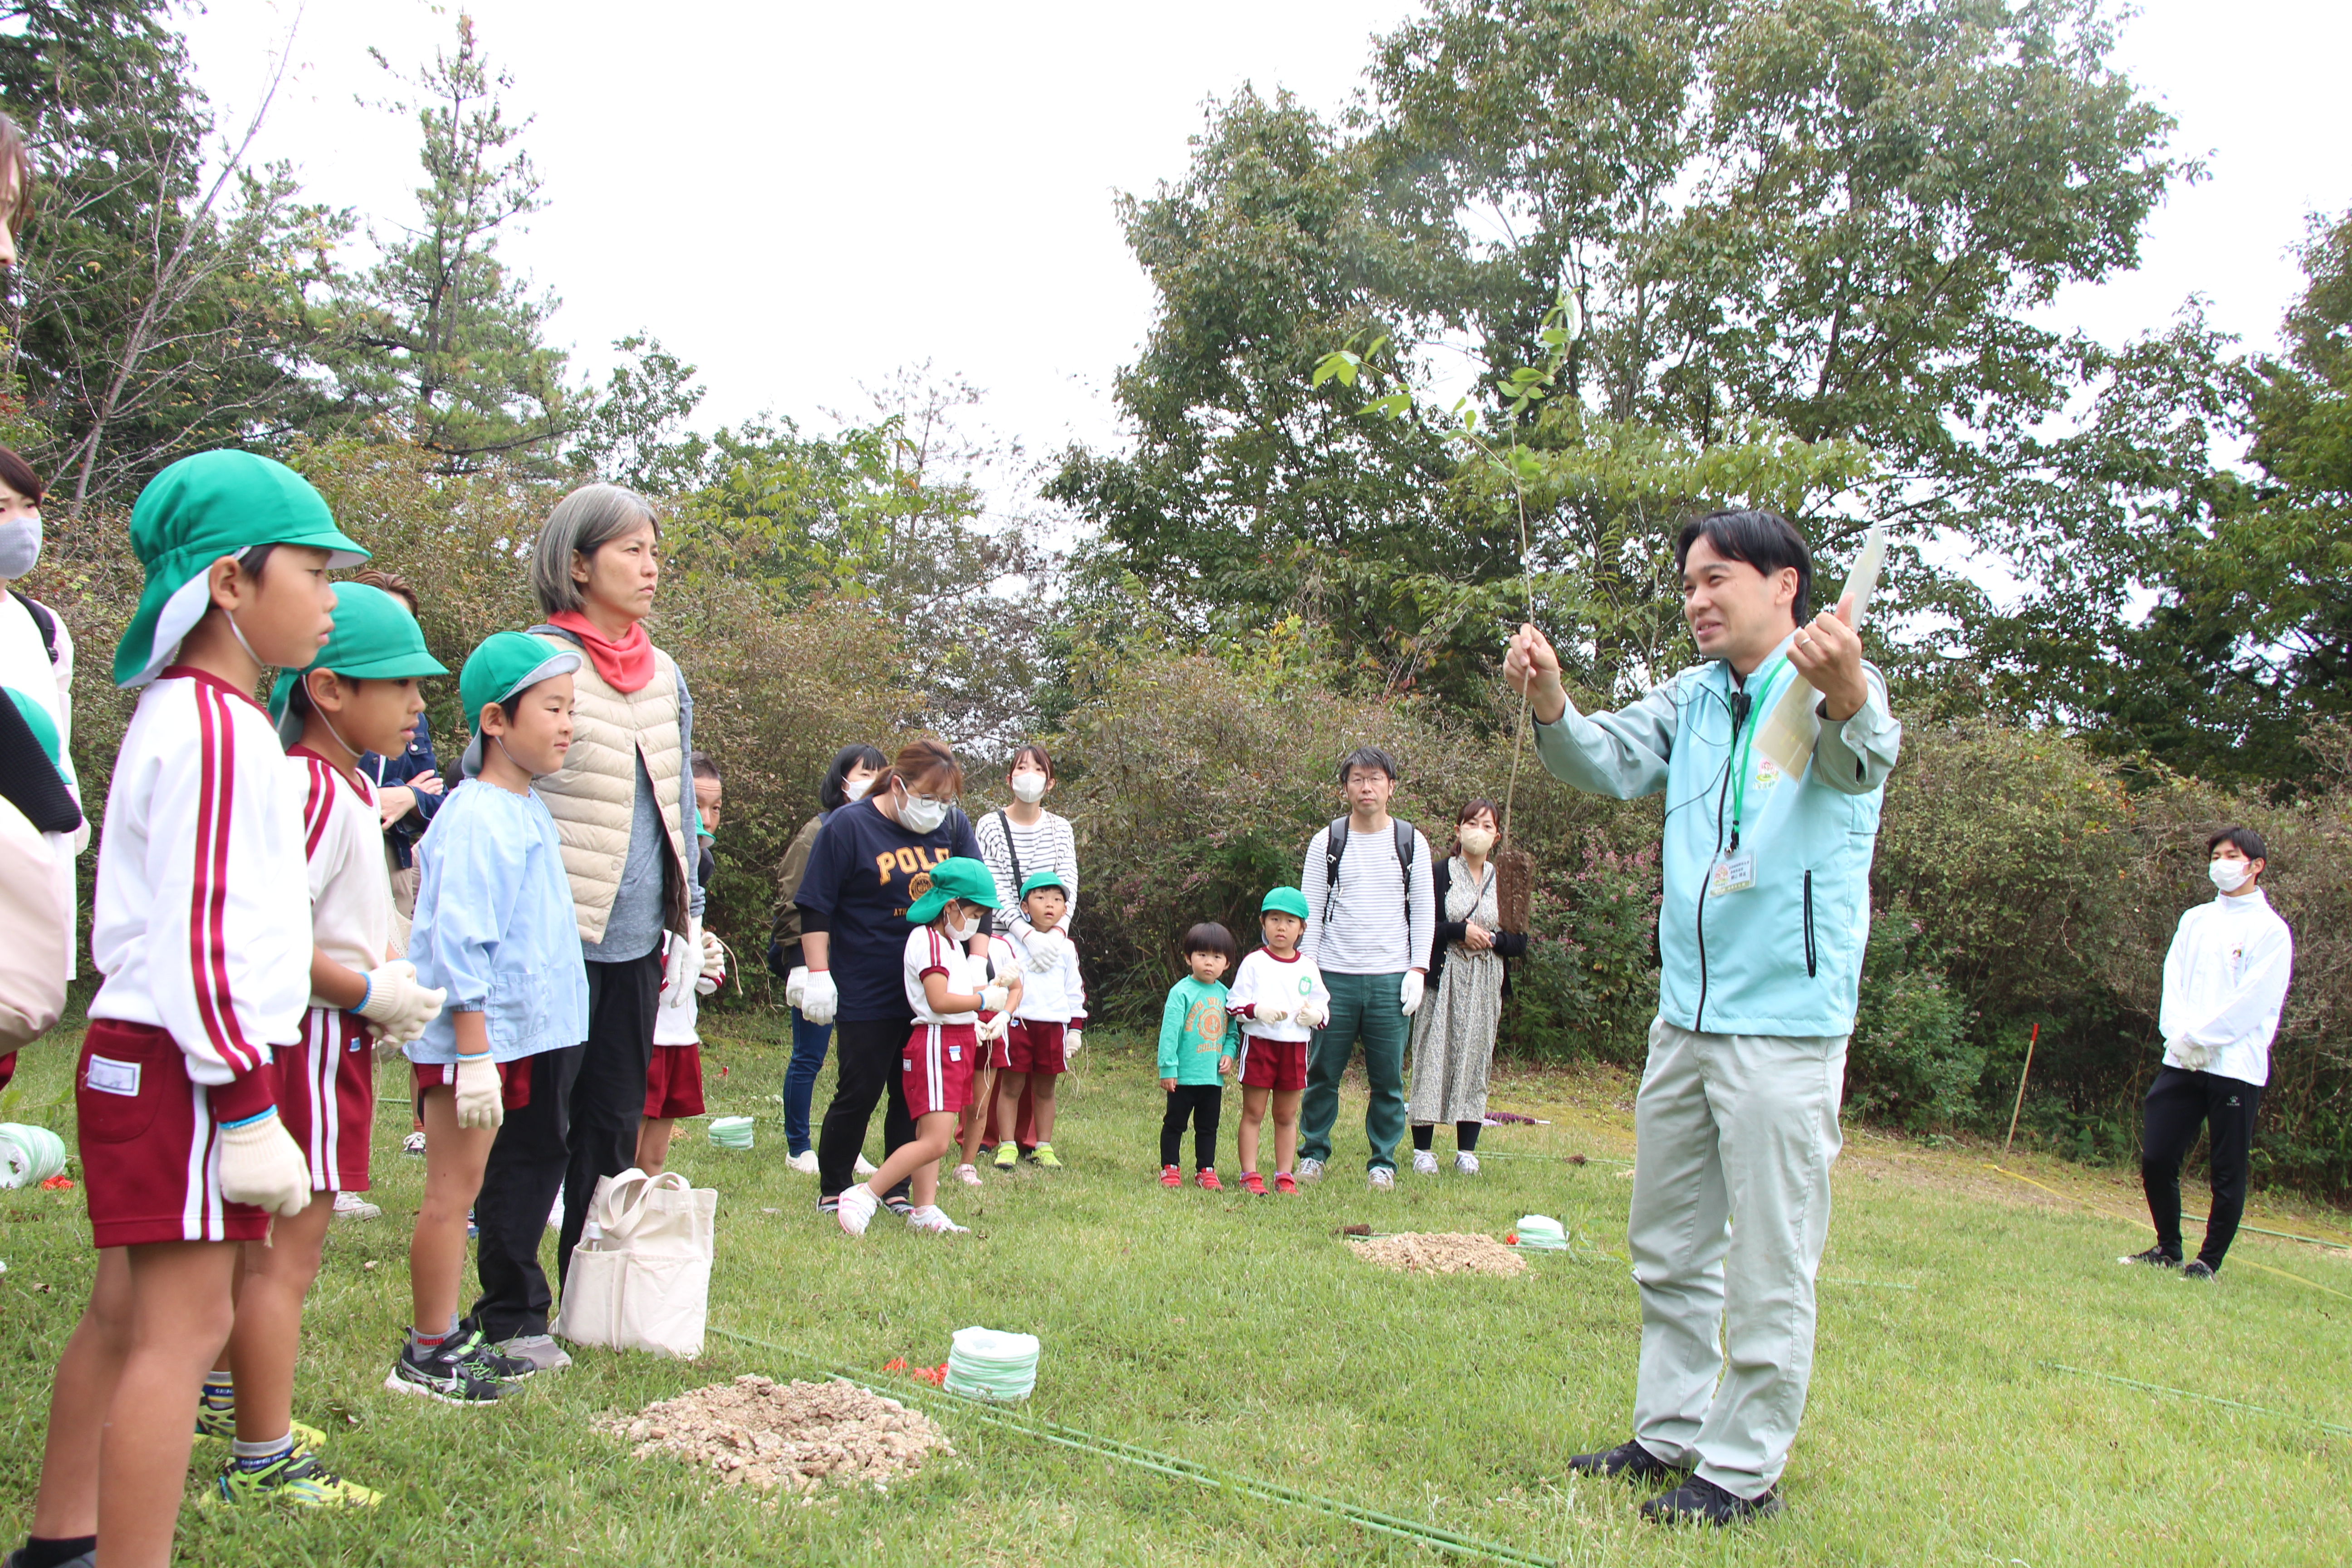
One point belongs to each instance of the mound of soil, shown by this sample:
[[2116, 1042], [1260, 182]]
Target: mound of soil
[[759, 1433], [1441, 1253]]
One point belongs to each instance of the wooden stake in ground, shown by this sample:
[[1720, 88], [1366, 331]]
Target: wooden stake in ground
[[2020, 1090]]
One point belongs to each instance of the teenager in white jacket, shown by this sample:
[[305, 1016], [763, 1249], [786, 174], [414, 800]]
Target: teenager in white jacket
[[2225, 980]]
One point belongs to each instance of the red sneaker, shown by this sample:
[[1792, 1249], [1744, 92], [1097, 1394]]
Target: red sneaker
[[1169, 1176], [1283, 1184], [1253, 1183], [1209, 1183]]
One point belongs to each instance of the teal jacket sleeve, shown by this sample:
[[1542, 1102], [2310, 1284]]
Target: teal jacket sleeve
[[1171, 1029], [1622, 755], [1855, 757]]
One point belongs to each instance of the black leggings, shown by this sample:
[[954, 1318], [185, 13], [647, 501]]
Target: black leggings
[[866, 1055], [2179, 1104], [1465, 1134], [1200, 1104]]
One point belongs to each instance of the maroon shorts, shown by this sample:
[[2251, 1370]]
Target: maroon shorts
[[674, 1082], [8, 1068], [514, 1081], [149, 1147], [1273, 1063], [937, 1067], [1030, 1045], [326, 1096]]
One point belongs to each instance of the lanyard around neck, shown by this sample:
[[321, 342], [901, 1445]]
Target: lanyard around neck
[[1743, 747]]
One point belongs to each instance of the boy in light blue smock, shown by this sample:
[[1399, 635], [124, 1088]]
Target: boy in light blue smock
[[495, 929]]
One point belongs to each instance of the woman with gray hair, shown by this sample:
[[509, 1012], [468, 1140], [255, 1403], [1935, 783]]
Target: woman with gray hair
[[623, 810]]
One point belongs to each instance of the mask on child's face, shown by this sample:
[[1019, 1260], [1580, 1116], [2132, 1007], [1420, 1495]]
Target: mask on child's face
[[1474, 841], [1029, 788], [963, 931]]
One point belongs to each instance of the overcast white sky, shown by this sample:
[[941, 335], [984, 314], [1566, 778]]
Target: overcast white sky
[[799, 198]]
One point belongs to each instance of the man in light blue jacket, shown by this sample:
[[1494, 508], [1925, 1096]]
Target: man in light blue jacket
[[1761, 933]]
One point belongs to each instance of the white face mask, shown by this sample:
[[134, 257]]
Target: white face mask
[[963, 931], [1474, 841], [1029, 788], [2230, 875], [856, 788], [20, 545], [918, 814]]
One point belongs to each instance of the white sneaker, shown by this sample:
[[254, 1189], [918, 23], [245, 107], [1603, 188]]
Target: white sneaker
[[1382, 1179], [1424, 1163], [932, 1220], [351, 1206], [865, 1167], [1310, 1170], [804, 1162], [857, 1210], [1466, 1164], [544, 1353], [413, 1145], [968, 1175]]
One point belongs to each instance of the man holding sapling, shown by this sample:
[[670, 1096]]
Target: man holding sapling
[[2225, 980], [1771, 816]]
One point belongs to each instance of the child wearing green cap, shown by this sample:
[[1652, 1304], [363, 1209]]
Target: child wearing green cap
[[950, 988], [1279, 999], [1035, 1049], [494, 928], [358, 695], [207, 971]]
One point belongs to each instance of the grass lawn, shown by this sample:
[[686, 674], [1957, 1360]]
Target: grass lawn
[[1239, 1334]]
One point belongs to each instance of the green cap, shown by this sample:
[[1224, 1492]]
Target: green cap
[[1284, 901], [375, 638], [503, 665], [40, 721], [189, 516], [960, 877], [1043, 880]]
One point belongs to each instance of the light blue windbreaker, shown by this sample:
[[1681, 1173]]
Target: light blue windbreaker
[[1784, 956], [495, 926]]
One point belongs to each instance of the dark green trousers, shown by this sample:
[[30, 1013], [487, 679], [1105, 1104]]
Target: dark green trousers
[[1365, 1007]]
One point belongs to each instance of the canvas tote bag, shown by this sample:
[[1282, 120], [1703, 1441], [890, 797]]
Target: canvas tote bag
[[640, 1277]]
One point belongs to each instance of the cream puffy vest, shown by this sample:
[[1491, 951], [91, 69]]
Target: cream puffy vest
[[593, 795]]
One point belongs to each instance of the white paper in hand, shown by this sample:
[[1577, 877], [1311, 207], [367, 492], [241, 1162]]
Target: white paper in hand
[[1790, 729]]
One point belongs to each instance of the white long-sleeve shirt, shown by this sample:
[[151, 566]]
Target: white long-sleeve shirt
[[1055, 997], [202, 923], [1381, 917], [350, 884], [2225, 980]]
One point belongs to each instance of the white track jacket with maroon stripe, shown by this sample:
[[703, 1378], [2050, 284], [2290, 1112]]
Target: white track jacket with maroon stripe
[[350, 883], [203, 920]]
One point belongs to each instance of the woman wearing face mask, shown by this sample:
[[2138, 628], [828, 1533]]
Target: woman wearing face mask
[[852, 772], [36, 770], [853, 902], [1453, 1032], [1016, 842]]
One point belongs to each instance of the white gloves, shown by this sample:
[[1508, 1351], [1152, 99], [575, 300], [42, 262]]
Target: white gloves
[[793, 984], [820, 998], [994, 997], [480, 1102], [1313, 1015], [1409, 994], [260, 1164], [992, 1028], [1271, 1012], [1046, 950], [714, 958], [2192, 1055], [1071, 1040], [396, 1004]]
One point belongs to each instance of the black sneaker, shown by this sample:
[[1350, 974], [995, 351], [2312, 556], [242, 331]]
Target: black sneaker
[[438, 1374], [2154, 1258], [1626, 1461], [487, 1360], [2199, 1269], [829, 1205], [1697, 1502], [897, 1204]]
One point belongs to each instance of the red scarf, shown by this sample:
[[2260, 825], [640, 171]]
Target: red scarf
[[626, 665]]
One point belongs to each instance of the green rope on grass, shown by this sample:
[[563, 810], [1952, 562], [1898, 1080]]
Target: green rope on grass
[[1433, 1537], [2207, 1398]]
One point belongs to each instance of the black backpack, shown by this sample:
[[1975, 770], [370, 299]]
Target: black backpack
[[1335, 844]]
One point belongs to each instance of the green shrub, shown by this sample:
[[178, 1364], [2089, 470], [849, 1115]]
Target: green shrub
[[1912, 1061]]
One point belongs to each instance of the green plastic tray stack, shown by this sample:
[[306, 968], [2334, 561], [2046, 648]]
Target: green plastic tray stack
[[1541, 1232], [991, 1364], [29, 1155], [731, 1131]]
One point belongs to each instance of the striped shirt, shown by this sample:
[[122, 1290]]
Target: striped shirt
[[1046, 844], [1383, 920]]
